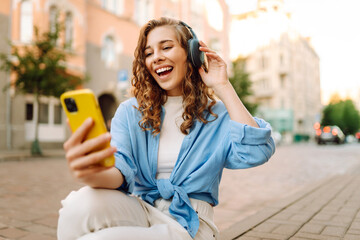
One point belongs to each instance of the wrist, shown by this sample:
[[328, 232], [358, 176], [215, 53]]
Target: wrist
[[223, 89]]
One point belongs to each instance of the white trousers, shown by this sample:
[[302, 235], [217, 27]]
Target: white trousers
[[94, 214]]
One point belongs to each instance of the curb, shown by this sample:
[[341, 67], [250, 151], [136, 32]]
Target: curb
[[25, 156]]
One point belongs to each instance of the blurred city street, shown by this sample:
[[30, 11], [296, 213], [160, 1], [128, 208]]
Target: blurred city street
[[31, 188], [281, 57]]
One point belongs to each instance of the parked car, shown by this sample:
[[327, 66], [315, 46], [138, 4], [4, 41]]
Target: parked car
[[329, 134], [357, 136], [350, 139], [277, 137]]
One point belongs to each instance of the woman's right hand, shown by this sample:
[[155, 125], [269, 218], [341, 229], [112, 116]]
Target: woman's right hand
[[82, 160]]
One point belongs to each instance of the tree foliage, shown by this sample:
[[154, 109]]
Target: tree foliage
[[343, 114], [39, 69], [242, 84]]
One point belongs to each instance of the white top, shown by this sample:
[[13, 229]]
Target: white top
[[171, 137]]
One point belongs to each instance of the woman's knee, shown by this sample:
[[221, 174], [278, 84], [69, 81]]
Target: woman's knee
[[86, 200], [89, 209], [101, 207]]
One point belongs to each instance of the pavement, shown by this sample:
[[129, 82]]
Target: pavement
[[328, 209], [30, 193]]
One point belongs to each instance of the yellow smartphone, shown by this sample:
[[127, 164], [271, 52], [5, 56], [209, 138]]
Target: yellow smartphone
[[80, 105]]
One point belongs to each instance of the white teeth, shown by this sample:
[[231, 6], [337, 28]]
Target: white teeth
[[160, 70]]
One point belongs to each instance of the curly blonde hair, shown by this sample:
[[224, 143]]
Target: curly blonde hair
[[150, 96]]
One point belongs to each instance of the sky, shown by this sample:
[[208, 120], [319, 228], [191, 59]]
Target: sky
[[334, 28]]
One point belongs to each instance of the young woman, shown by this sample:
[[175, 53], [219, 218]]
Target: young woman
[[171, 143]]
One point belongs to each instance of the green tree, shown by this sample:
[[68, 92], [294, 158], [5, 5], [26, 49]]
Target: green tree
[[327, 115], [242, 84], [351, 118], [40, 70], [343, 114]]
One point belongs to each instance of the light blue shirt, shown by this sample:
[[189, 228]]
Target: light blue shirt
[[205, 151]]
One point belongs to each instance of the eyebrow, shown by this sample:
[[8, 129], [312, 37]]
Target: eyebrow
[[161, 42]]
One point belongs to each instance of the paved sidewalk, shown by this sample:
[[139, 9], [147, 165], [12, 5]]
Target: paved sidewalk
[[30, 194], [328, 210]]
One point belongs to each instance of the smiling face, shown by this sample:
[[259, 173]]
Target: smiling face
[[165, 59]]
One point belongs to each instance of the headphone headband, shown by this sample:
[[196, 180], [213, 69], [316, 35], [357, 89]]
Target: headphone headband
[[189, 28]]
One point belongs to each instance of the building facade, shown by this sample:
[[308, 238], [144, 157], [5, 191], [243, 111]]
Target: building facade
[[283, 68], [101, 36]]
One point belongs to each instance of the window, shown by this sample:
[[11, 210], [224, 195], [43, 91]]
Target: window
[[281, 59], [49, 113], [104, 4], [29, 111], [26, 21], [57, 114], [282, 80], [264, 84], [108, 51], [114, 6], [263, 62], [43, 113], [53, 18], [68, 30], [143, 11]]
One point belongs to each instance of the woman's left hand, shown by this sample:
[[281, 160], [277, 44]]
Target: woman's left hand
[[216, 76]]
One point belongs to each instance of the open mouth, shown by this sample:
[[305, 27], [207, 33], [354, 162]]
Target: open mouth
[[163, 71]]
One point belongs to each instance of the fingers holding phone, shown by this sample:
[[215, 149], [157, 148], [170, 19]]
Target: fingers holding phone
[[83, 155], [79, 135], [88, 150]]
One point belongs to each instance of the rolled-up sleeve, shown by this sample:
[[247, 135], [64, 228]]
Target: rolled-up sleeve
[[249, 146], [124, 160]]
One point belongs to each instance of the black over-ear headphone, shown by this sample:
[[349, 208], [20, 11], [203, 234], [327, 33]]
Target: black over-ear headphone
[[195, 56]]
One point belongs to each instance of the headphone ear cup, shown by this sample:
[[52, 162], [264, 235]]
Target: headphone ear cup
[[195, 56]]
